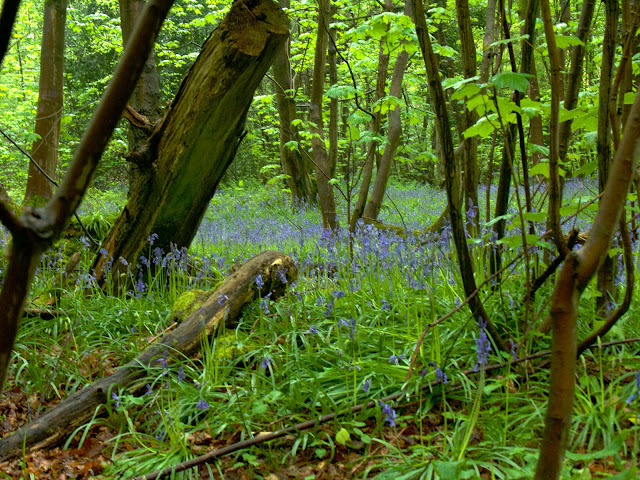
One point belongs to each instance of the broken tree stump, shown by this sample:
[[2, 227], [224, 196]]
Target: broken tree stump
[[224, 304]]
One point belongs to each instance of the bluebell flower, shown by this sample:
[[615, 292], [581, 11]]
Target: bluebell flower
[[163, 360], [152, 238], [395, 358], [281, 275], [123, 261], [338, 294], [312, 330], [266, 361], [440, 375], [85, 242], [222, 299], [329, 307], [181, 374], [259, 282], [366, 385], [202, 404], [104, 252], [385, 305], [149, 390], [389, 412], [483, 345], [116, 398]]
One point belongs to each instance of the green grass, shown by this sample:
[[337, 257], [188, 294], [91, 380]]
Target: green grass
[[352, 318]]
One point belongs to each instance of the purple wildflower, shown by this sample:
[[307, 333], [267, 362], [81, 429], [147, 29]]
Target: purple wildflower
[[202, 404], [116, 398], [181, 374], [483, 345], [389, 412], [366, 385], [259, 282], [266, 361]]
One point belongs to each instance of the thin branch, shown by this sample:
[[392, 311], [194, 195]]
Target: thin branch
[[7, 19]]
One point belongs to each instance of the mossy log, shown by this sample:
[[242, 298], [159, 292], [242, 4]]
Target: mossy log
[[224, 304]]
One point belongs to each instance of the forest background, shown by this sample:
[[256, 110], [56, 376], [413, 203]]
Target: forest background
[[417, 263]]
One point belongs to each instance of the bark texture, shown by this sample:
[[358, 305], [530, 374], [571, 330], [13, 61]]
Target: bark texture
[[50, 101], [291, 160], [145, 100], [320, 156], [55, 425], [578, 270], [196, 141]]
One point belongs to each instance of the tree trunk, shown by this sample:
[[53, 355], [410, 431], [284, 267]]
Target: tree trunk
[[191, 149], [603, 146], [374, 204], [291, 160], [320, 156], [469, 69], [145, 99], [238, 290], [452, 183], [574, 77], [50, 101], [374, 127]]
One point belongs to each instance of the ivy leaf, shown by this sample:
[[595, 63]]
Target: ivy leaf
[[514, 81]]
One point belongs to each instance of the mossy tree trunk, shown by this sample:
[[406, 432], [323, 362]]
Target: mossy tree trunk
[[193, 145]]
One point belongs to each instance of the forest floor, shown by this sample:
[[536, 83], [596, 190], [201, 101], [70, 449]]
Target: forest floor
[[343, 335]]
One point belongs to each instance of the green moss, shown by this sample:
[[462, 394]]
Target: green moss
[[187, 303], [231, 346]]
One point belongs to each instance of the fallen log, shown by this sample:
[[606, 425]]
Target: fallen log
[[224, 305]]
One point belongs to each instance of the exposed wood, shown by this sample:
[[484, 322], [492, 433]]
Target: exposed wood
[[196, 141], [223, 306]]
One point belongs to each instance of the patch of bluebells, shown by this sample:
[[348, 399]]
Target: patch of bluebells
[[440, 374], [395, 359], [483, 345]]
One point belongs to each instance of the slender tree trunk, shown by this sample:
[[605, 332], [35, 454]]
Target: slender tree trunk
[[291, 160], [488, 52], [320, 156], [470, 118], [452, 183], [603, 146], [50, 102], [374, 127], [578, 270], [192, 148], [574, 76], [374, 204], [333, 105], [145, 100]]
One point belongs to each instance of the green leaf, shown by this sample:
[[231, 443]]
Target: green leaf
[[609, 451], [292, 145], [629, 99], [509, 40], [541, 168], [467, 91], [587, 169], [564, 41], [340, 91], [512, 80], [342, 437], [483, 128]]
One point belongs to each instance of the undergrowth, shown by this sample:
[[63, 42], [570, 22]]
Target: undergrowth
[[343, 335]]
